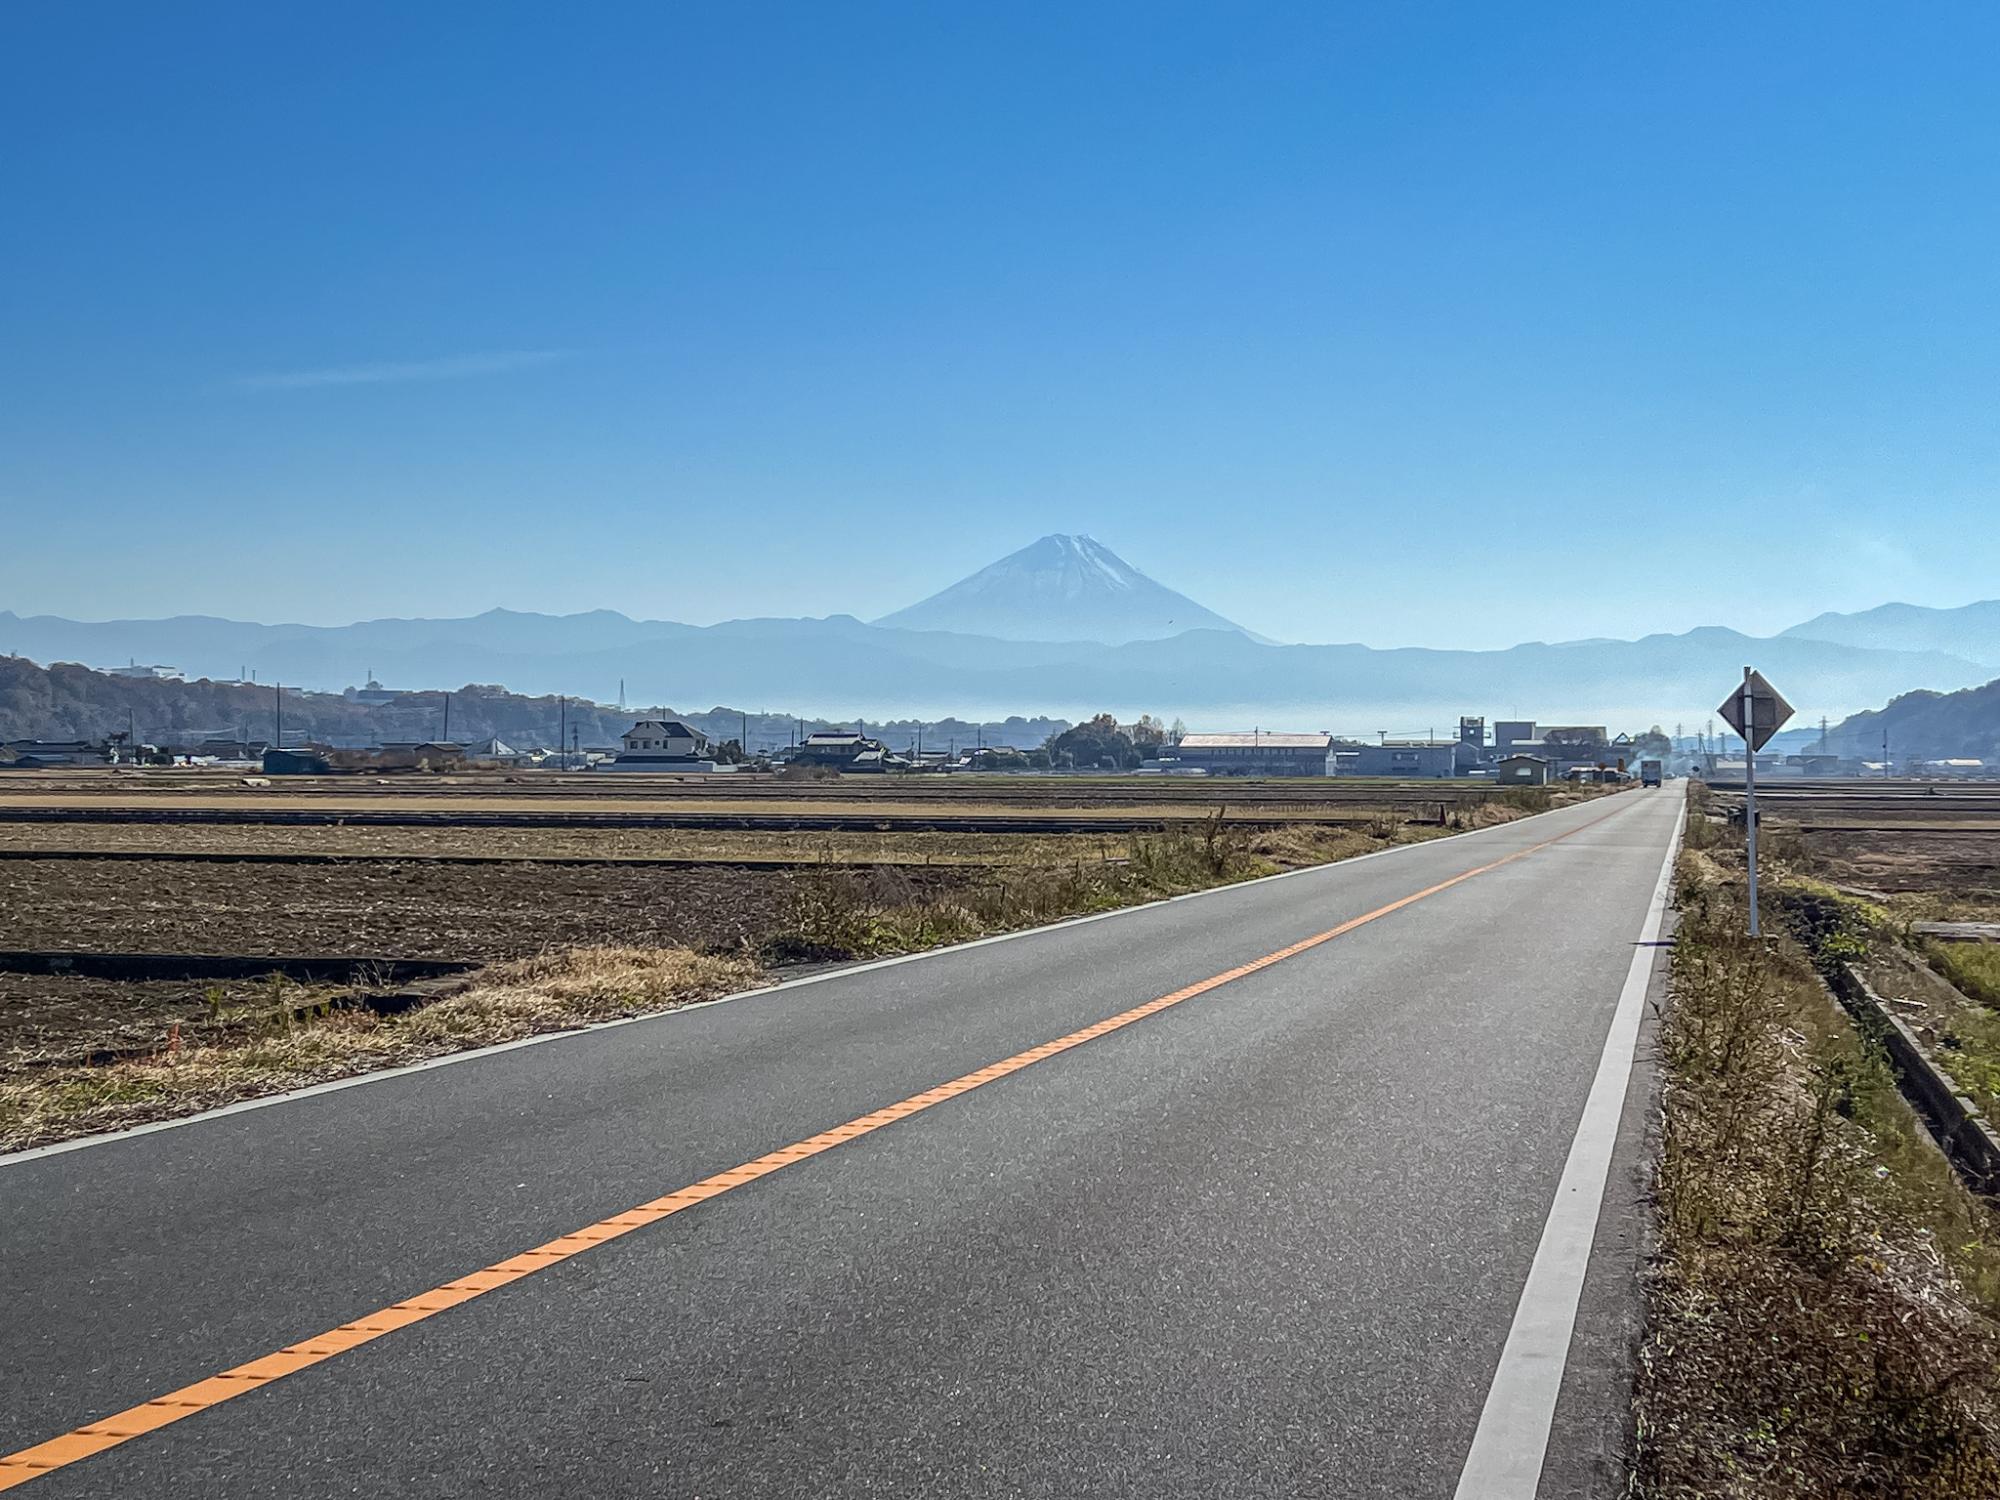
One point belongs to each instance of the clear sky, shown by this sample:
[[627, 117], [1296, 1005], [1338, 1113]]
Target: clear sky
[[1436, 324]]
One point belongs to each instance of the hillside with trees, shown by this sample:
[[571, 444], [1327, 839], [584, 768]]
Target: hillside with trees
[[1926, 726], [69, 702]]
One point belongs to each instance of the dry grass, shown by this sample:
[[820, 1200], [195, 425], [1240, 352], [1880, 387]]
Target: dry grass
[[1973, 967], [913, 847], [554, 992], [850, 914], [1821, 1306]]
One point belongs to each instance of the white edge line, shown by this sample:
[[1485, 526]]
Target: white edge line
[[1511, 1442], [383, 1075]]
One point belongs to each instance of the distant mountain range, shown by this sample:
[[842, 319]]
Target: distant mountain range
[[1971, 631], [1110, 640]]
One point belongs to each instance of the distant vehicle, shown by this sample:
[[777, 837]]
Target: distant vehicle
[[1649, 773]]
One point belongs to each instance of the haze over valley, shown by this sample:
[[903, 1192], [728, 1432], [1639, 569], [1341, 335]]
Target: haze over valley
[[1064, 627]]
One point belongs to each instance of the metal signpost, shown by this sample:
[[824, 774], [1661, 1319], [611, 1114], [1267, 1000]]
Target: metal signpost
[[1756, 711]]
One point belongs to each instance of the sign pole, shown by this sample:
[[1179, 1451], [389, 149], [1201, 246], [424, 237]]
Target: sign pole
[[1750, 792]]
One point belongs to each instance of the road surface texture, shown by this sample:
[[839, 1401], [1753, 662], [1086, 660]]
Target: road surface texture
[[1269, 1236]]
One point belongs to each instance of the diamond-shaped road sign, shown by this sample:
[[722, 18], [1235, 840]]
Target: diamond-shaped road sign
[[1766, 710]]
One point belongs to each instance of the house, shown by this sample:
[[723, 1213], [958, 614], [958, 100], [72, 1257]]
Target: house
[[836, 748], [662, 739], [434, 753], [497, 751], [661, 745], [27, 755], [1258, 753], [879, 760], [1521, 770]]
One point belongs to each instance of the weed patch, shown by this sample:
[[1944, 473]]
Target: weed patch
[[1821, 1308], [554, 992]]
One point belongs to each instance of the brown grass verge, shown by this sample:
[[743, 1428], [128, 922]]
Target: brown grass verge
[[850, 914], [555, 992], [1821, 1310]]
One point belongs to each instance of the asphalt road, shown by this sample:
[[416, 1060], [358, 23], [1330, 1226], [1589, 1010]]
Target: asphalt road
[[1269, 1240]]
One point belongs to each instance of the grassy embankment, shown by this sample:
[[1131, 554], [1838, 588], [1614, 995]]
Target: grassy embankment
[[832, 915], [1823, 1303]]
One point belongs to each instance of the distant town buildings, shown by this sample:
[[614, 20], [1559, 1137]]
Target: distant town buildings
[[147, 673], [1428, 759], [1519, 753], [372, 695], [1258, 753], [28, 755]]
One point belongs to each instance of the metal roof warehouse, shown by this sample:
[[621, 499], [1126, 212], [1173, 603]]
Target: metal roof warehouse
[[1257, 753]]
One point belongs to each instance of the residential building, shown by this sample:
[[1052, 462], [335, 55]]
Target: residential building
[[662, 739], [27, 755], [411, 755], [835, 747], [497, 751], [660, 745]]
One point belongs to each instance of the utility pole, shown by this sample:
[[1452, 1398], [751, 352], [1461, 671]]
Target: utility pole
[[1750, 794], [446, 739], [278, 698], [562, 734]]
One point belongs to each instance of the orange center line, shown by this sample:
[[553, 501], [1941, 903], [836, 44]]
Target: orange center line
[[110, 1432]]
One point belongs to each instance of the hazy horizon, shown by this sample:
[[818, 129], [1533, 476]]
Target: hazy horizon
[[336, 620]]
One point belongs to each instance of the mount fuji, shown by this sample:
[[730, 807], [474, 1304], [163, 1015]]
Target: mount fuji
[[1061, 588]]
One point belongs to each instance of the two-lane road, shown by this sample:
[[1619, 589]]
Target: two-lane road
[[1233, 1195]]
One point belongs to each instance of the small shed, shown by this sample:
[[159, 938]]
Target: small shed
[[295, 763], [1521, 770]]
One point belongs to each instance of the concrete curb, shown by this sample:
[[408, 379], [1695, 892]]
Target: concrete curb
[[1953, 1120]]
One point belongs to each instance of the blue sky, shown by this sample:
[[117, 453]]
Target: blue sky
[[1439, 324]]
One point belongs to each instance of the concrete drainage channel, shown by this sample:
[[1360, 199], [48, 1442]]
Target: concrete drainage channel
[[1961, 1131]]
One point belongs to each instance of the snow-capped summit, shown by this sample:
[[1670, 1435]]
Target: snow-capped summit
[[1061, 588]]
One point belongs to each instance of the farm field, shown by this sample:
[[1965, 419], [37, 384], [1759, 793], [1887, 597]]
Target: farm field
[[49, 787], [449, 841], [385, 907], [1936, 843], [566, 922]]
